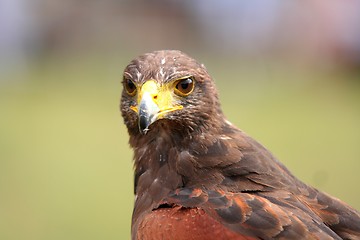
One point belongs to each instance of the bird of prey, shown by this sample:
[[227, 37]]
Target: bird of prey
[[197, 176]]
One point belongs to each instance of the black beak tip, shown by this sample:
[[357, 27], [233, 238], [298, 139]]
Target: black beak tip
[[143, 124]]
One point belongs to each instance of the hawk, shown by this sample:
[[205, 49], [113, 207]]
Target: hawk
[[197, 176]]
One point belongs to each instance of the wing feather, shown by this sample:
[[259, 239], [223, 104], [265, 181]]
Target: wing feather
[[255, 215]]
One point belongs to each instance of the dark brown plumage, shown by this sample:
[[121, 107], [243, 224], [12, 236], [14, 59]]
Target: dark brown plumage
[[199, 177]]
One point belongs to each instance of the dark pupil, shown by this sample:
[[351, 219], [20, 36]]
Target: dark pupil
[[184, 85], [130, 86]]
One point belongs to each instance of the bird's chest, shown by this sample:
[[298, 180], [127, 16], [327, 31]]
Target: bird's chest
[[180, 223]]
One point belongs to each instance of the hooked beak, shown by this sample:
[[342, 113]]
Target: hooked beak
[[154, 101], [148, 111]]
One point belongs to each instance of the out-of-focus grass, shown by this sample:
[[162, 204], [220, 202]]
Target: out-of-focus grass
[[65, 166], [66, 169]]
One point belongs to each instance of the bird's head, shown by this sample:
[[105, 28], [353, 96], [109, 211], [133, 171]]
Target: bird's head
[[168, 89]]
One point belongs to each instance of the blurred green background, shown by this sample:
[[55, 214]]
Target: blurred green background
[[288, 78]]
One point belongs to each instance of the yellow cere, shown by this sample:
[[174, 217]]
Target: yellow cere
[[161, 94]]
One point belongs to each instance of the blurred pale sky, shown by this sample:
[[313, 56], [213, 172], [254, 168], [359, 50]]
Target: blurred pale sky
[[324, 33]]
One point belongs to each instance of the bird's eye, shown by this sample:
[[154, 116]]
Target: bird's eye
[[184, 86], [130, 87]]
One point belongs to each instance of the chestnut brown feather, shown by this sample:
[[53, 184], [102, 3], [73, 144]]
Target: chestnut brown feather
[[196, 167]]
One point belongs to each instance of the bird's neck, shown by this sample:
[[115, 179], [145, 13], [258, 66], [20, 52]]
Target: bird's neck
[[171, 157], [167, 160]]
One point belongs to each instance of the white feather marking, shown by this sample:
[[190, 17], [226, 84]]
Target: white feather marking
[[162, 72], [128, 74], [224, 137], [228, 122], [138, 74]]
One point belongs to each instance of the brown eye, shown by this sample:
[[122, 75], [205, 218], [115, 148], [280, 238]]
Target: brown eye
[[130, 87], [184, 87]]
